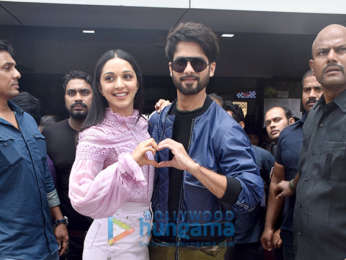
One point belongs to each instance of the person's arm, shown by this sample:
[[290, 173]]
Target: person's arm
[[267, 166], [161, 104], [277, 240], [214, 182], [274, 207], [51, 168], [287, 188], [60, 230], [96, 191], [238, 185]]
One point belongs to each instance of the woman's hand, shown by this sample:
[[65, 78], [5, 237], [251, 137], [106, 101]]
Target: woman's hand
[[139, 154]]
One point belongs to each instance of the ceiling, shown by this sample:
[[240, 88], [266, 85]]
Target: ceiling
[[48, 37]]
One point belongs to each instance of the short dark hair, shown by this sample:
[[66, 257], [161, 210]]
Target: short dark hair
[[76, 74], [307, 74], [99, 104], [6, 46], [236, 110], [193, 32], [29, 104], [288, 112]]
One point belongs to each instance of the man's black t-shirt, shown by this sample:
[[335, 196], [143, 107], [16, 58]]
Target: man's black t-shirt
[[182, 129], [61, 148]]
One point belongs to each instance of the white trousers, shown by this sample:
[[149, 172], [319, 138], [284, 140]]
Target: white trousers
[[125, 236]]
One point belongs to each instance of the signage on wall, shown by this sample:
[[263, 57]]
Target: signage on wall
[[243, 106], [246, 94]]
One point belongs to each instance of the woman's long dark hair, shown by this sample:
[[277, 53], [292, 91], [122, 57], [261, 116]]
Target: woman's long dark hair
[[99, 104]]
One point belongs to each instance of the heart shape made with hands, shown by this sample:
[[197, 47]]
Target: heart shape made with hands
[[181, 160]]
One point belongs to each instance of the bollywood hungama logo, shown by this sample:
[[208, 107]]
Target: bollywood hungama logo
[[189, 224]]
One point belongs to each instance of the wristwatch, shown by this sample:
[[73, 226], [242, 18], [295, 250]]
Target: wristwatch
[[61, 221]]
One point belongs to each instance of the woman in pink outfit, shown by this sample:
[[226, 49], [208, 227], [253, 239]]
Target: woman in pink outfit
[[112, 177]]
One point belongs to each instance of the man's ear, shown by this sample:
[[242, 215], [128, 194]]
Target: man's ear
[[291, 121], [212, 69], [170, 68], [311, 65], [242, 124]]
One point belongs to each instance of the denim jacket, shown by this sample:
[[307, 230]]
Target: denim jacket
[[219, 144], [25, 184]]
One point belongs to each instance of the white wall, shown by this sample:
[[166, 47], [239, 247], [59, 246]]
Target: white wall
[[137, 3], [298, 6]]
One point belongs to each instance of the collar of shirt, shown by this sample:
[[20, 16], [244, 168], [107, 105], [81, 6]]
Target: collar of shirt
[[340, 101], [14, 107]]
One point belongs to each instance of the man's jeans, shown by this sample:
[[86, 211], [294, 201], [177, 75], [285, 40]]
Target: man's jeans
[[54, 256]]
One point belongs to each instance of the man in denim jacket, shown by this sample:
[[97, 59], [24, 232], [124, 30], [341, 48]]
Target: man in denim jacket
[[207, 172], [28, 197]]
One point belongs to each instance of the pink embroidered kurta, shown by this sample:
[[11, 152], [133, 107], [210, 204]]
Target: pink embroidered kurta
[[106, 181]]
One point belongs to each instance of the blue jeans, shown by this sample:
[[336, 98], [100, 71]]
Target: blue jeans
[[54, 256]]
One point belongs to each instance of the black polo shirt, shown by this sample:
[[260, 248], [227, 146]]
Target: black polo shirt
[[288, 150], [320, 210]]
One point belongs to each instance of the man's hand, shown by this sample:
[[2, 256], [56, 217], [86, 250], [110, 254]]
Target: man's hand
[[277, 241], [181, 160], [161, 104], [283, 189], [214, 182], [267, 239], [62, 238]]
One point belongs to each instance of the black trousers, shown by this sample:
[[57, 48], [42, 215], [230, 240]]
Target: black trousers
[[250, 251]]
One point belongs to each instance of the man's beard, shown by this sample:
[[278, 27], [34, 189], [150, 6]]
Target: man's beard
[[311, 100], [189, 89], [78, 115]]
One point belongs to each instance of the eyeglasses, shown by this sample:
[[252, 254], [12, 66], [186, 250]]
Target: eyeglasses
[[198, 64]]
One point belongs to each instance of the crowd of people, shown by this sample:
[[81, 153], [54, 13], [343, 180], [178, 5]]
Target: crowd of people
[[185, 183]]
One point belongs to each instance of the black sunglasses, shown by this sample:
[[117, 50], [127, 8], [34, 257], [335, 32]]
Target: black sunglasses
[[198, 64]]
